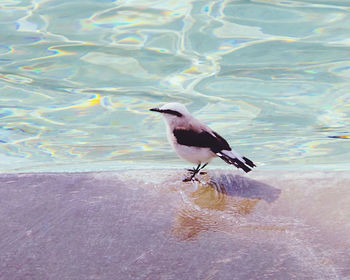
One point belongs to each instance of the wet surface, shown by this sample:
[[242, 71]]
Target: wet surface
[[227, 226]]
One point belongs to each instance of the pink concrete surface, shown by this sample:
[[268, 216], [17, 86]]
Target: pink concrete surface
[[148, 224]]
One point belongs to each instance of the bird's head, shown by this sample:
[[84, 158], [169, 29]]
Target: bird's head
[[172, 112]]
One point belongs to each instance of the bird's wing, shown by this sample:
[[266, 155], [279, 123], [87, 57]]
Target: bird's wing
[[203, 139], [217, 144]]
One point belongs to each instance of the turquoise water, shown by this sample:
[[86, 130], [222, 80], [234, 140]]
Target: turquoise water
[[77, 79]]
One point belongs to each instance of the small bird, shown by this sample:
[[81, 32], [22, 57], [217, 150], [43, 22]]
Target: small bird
[[195, 142]]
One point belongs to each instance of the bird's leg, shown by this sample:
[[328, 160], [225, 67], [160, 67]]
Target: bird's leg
[[194, 171], [203, 172]]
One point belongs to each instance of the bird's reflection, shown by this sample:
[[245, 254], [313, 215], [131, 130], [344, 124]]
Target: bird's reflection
[[219, 201]]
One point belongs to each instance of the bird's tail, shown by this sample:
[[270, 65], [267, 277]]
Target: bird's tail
[[231, 157]]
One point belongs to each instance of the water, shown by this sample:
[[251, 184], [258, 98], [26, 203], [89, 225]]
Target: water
[[104, 225], [77, 79]]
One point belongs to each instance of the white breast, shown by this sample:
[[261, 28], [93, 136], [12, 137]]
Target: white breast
[[194, 155]]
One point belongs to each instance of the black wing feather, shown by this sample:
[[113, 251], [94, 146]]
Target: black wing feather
[[214, 142], [201, 139]]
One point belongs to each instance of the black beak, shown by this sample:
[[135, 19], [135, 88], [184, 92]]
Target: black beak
[[155, 110]]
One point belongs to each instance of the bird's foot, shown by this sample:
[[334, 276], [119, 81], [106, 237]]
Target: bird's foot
[[195, 171], [190, 178]]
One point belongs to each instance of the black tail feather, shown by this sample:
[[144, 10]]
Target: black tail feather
[[242, 165], [249, 162], [236, 162]]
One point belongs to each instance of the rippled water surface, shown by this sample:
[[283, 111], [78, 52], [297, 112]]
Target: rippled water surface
[[77, 79]]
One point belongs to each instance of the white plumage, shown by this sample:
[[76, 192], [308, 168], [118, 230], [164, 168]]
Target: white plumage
[[195, 142]]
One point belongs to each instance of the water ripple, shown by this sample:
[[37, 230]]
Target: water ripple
[[77, 79]]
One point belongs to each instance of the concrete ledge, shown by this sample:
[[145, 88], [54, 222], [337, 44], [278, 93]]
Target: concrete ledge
[[148, 224]]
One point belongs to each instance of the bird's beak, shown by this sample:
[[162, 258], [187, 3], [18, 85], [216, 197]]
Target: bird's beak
[[155, 110]]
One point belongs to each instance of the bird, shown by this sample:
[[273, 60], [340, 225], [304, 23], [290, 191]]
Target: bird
[[195, 142]]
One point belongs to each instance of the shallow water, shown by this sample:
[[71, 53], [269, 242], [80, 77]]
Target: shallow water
[[77, 79], [108, 225]]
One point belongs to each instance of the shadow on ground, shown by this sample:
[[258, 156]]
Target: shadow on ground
[[239, 186]]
